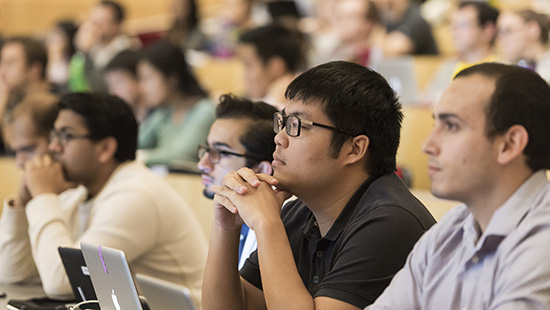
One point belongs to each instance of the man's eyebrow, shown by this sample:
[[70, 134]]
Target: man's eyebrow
[[445, 116], [218, 144]]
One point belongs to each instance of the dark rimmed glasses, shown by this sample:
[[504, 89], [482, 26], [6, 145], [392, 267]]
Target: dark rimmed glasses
[[65, 137], [216, 154], [293, 124]]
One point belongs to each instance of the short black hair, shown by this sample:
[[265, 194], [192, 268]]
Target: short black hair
[[35, 51], [487, 14], [105, 116], [521, 97], [118, 10], [358, 100], [126, 61], [275, 40], [170, 61], [258, 139]]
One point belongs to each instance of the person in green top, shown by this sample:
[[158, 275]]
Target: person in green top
[[183, 113]]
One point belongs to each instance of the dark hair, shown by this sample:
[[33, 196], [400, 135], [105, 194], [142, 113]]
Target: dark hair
[[41, 107], [170, 61], [118, 10], [35, 51], [542, 21], [486, 13], [356, 99], [258, 139], [520, 98], [69, 29], [124, 61], [275, 40], [106, 116], [372, 14]]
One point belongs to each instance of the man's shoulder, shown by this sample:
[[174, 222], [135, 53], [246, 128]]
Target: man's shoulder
[[389, 194]]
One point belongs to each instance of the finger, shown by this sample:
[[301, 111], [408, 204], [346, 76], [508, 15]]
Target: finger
[[46, 160], [281, 196], [249, 176], [220, 200], [269, 179], [233, 181]]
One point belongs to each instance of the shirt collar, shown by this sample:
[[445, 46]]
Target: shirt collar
[[508, 216]]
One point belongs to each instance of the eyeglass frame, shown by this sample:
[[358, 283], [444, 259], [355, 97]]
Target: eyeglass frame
[[281, 117], [207, 149], [64, 137]]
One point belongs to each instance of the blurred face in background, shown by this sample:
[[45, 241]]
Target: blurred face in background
[[22, 138], [512, 37], [123, 84], [103, 18], [257, 75], [351, 22], [14, 71], [466, 31], [154, 87]]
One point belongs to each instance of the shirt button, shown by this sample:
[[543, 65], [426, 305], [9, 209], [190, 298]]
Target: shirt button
[[475, 259], [316, 279], [319, 253]]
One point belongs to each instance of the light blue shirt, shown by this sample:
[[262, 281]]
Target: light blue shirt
[[507, 267]]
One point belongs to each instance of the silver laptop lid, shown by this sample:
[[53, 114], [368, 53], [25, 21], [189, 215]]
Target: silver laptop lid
[[164, 295], [399, 72], [111, 277]]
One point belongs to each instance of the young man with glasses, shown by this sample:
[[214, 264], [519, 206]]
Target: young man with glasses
[[354, 223], [119, 203], [241, 136]]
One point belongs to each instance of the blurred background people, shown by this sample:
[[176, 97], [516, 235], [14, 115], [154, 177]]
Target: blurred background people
[[271, 55], [23, 62], [60, 47], [182, 112], [407, 31], [523, 40], [98, 40], [121, 79]]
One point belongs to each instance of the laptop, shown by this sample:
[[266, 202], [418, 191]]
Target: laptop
[[165, 295], [111, 277], [400, 74], [79, 277]]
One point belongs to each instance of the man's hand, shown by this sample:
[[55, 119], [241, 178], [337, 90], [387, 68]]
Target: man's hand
[[43, 175], [250, 196], [87, 36]]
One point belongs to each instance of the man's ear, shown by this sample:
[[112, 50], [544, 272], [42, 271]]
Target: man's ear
[[512, 144], [107, 148], [263, 167], [356, 149]]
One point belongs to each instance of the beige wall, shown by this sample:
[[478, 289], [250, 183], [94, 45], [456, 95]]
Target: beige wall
[[36, 17]]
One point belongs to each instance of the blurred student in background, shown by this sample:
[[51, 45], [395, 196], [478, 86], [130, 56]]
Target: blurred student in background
[[523, 39], [183, 112], [121, 78]]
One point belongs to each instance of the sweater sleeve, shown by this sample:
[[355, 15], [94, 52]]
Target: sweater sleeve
[[16, 262]]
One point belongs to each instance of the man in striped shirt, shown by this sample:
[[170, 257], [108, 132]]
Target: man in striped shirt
[[489, 148]]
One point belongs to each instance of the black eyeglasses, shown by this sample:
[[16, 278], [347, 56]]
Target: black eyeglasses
[[65, 137], [216, 154], [293, 124]]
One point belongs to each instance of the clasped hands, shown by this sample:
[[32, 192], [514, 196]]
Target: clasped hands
[[247, 197], [41, 175]]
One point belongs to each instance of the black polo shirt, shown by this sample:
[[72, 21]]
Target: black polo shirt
[[367, 244]]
